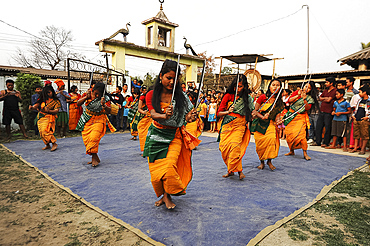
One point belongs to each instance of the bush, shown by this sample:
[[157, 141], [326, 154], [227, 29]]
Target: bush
[[25, 84]]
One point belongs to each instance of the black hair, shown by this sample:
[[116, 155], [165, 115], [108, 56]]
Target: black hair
[[99, 87], [119, 88], [179, 97], [44, 94], [9, 81], [314, 94], [37, 86], [136, 91], [331, 80], [341, 82], [245, 93], [279, 102], [262, 91], [73, 88], [341, 91], [140, 82], [365, 88], [288, 91], [351, 79], [193, 96]]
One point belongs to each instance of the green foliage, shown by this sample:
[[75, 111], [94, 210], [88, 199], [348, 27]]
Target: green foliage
[[149, 79], [25, 84], [226, 70], [296, 234], [355, 185], [365, 45]]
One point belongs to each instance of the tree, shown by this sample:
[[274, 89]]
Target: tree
[[48, 50], [149, 79], [226, 70], [210, 63], [25, 84], [364, 45]]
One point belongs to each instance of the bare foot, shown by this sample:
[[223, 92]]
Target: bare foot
[[160, 202], [25, 136], [261, 166], [241, 175], [331, 147], [228, 175], [90, 162], [290, 153], [168, 201], [46, 147], [306, 157], [95, 160], [272, 167], [54, 147]]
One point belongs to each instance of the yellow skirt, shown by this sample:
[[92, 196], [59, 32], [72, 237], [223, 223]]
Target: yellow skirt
[[142, 128], [268, 144], [234, 140], [46, 127], [173, 173], [195, 128], [296, 132], [92, 133]]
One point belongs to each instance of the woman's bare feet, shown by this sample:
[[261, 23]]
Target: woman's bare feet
[[228, 175], [94, 160], [168, 201], [46, 147], [272, 167], [241, 175], [305, 155], [262, 165], [55, 146], [160, 202], [290, 153]]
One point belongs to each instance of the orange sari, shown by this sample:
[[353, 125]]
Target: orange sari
[[268, 144], [296, 132], [142, 128], [46, 122], [173, 173], [196, 127], [74, 112]]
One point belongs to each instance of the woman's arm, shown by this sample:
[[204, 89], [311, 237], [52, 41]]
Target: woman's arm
[[84, 98], [141, 111], [162, 116]]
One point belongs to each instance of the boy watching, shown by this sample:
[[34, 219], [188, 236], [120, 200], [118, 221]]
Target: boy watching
[[341, 109], [360, 119], [34, 97]]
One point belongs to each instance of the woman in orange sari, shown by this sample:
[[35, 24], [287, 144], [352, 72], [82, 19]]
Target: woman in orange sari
[[74, 110], [45, 119], [93, 121], [145, 122], [195, 127], [264, 127], [234, 133], [300, 101], [168, 145]]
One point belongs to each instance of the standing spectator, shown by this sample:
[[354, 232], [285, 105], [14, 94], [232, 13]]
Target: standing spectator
[[118, 100], [340, 111], [125, 113], [325, 118], [62, 116], [350, 91], [11, 110], [313, 115], [202, 109], [212, 114], [360, 119], [183, 86], [34, 98]]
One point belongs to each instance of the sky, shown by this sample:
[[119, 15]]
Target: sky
[[220, 28]]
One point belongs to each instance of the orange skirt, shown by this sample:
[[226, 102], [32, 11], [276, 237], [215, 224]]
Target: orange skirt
[[296, 132], [74, 115], [46, 127], [92, 133], [142, 128], [268, 144], [173, 173], [234, 140], [195, 128]]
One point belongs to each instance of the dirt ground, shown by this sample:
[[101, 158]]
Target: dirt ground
[[33, 211], [340, 218]]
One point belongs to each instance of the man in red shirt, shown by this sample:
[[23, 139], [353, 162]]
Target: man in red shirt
[[327, 99]]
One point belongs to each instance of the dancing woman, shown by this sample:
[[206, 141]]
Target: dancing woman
[[301, 101], [234, 135], [145, 121], [93, 121], [168, 145], [74, 110], [265, 130], [50, 105]]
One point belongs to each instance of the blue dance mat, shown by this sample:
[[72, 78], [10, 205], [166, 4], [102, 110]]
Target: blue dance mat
[[215, 210]]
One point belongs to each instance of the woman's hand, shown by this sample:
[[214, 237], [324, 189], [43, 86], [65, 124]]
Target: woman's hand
[[266, 116], [169, 112], [231, 109], [88, 94], [191, 116], [102, 101]]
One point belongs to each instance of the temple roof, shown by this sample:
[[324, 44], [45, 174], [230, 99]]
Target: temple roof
[[161, 18], [246, 58]]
